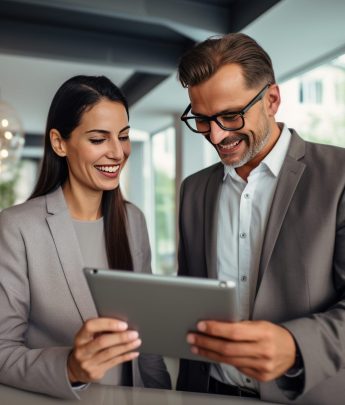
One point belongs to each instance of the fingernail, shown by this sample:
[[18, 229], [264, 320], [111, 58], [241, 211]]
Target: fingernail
[[133, 334], [194, 350], [201, 326], [190, 338], [122, 325]]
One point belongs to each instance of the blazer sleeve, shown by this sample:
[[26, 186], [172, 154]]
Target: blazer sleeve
[[321, 336], [40, 370]]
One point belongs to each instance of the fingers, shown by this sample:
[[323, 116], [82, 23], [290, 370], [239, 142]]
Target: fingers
[[225, 347], [105, 341], [113, 351], [261, 370], [263, 354], [236, 331], [97, 325], [92, 372], [99, 345]]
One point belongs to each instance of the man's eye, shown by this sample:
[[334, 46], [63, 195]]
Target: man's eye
[[229, 117], [201, 120], [97, 141]]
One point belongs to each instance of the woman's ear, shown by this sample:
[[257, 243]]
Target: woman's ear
[[57, 142]]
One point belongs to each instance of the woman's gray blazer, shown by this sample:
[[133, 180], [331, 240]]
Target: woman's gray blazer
[[44, 298]]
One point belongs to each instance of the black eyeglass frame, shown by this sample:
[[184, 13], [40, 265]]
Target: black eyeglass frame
[[185, 117]]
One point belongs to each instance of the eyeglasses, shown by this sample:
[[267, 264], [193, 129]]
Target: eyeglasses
[[228, 121]]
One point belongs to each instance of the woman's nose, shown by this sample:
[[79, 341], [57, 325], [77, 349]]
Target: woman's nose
[[115, 150]]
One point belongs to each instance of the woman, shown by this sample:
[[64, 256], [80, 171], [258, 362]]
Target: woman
[[51, 340]]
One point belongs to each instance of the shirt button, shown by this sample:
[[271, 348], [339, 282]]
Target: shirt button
[[243, 235], [248, 380], [246, 196], [243, 278]]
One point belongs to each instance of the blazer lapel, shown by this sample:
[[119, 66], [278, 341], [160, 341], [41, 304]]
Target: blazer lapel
[[289, 178], [67, 246], [212, 194]]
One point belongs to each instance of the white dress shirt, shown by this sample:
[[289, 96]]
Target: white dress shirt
[[242, 217]]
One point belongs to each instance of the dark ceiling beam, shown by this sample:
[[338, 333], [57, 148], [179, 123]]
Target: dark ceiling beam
[[173, 13], [246, 11], [195, 20], [140, 84], [39, 40], [34, 141]]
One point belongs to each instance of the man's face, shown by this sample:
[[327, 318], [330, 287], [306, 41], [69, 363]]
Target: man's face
[[226, 91]]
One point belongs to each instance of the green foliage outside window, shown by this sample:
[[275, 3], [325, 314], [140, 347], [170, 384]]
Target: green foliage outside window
[[8, 190], [7, 193], [165, 226]]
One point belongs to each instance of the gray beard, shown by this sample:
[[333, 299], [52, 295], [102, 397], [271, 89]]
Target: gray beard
[[252, 152]]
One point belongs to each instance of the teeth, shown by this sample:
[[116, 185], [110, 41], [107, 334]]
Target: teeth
[[108, 169], [230, 145]]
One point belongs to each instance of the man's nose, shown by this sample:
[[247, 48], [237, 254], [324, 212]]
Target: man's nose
[[217, 134]]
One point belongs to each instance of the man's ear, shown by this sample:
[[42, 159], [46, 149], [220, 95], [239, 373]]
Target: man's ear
[[57, 142], [273, 99]]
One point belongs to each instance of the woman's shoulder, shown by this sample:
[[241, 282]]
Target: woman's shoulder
[[133, 211], [24, 212], [135, 216]]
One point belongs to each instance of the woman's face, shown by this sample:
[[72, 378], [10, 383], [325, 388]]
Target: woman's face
[[98, 148]]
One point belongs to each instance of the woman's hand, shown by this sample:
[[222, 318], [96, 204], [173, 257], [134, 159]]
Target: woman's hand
[[100, 344]]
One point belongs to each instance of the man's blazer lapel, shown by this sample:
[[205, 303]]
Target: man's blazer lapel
[[289, 178], [212, 194], [67, 246]]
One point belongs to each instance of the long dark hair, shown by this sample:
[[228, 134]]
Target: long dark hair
[[69, 103]]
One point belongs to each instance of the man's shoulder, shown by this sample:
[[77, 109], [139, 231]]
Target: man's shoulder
[[316, 155], [325, 155]]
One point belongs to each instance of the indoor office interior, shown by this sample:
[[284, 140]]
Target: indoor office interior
[[137, 44]]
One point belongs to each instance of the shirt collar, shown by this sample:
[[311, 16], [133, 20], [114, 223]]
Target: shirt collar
[[274, 160]]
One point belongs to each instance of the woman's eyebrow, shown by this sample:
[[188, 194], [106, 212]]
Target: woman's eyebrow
[[124, 129], [106, 132], [102, 131]]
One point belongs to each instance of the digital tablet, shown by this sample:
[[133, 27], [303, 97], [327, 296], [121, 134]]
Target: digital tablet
[[163, 309]]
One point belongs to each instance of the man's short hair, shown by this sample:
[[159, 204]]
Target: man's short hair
[[203, 60]]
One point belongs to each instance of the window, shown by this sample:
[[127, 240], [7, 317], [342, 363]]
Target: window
[[310, 92], [163, 162], [314, 103]]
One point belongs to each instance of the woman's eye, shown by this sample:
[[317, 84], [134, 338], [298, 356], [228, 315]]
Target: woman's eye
[[124, 138], [97, 141]]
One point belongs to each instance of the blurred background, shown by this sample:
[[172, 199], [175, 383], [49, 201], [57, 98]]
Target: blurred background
[[137, 44]]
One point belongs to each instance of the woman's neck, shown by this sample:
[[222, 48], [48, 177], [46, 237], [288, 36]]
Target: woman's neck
[[84, 206]]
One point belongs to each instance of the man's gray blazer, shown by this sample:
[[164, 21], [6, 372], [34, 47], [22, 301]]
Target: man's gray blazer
[[44, 298], [301, 277]]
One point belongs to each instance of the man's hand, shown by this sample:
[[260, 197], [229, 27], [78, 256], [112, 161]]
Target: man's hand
[[258, 349], [100, 344]]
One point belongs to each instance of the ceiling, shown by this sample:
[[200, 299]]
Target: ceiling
[[137, 44]]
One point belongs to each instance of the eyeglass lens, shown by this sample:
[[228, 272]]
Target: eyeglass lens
[[226, 121]]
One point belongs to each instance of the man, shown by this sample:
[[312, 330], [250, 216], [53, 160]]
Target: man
[[271, 215]]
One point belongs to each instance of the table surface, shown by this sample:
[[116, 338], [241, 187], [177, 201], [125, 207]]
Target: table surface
[[104, 395]]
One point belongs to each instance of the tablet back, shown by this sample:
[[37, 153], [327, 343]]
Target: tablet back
[[163, 309]]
